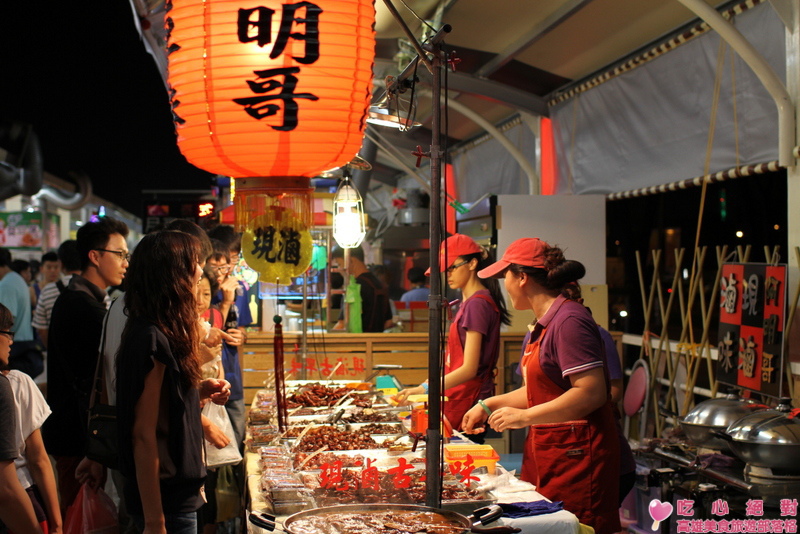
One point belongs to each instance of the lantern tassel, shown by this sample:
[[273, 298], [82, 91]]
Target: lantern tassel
[[280, 378]]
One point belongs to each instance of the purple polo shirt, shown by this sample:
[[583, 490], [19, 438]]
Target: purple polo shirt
[[479, 315], [571, 343]]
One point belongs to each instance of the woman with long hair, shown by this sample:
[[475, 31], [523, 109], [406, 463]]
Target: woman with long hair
[[159, 386], [572, 449], [473, 343]]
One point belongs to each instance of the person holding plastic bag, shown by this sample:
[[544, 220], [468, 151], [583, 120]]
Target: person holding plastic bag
[[158, 402], [572, 450], [220, 444], [92, 511]]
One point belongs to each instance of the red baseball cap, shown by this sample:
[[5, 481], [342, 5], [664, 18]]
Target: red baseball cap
[[456, 245], [528, 251]]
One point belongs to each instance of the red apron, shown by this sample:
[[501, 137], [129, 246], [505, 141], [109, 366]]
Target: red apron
[[576, 462], [462, 397]]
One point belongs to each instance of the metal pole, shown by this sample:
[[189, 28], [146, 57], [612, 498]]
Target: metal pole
[[433, 456]]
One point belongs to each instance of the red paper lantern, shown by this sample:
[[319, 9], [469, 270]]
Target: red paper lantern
[[270, 87]]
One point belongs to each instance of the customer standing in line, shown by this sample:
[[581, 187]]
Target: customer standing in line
[[16, 296], [158, 403], [473, 343], [76, 323], [16, 509], [572, 449]]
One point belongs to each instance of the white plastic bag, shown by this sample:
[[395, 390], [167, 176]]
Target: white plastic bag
[[229, 454]]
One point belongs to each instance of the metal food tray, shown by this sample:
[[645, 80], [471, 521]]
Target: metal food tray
[[379, 455], [404, 440], [466, 506], [400, 430]]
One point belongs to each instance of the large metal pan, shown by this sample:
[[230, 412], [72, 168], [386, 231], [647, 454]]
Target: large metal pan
[[715, 415], [299, 523], [769, 438]]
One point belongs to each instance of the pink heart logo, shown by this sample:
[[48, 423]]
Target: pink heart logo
[[659, 511]]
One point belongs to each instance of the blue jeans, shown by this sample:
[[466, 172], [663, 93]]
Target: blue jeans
[[175, 523]]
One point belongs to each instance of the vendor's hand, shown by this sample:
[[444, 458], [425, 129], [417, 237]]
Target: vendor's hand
[[91, 473], [403, 395], [215, 389], [214, 434], [473, 421], [236, 335], [508, 418]]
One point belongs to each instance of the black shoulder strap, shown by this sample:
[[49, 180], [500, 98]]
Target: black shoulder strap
[[98, 389], [60, 286]]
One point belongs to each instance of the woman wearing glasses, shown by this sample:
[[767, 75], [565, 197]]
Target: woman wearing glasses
[[473, 343]]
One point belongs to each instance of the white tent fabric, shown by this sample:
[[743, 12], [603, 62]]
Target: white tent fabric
[[487, 167], [650, 126]]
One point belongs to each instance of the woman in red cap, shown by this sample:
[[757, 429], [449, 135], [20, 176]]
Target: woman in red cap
[[473, 343], [572, 450]]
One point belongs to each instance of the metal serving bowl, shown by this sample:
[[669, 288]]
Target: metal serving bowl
[[716, 415]]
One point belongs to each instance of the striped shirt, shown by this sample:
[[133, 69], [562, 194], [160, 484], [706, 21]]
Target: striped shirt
[[44, 306]]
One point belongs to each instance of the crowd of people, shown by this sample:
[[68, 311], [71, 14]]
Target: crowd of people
[[173, 331]]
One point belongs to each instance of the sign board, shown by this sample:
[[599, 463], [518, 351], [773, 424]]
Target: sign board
[[159, 213], [24, 230], [752, 314]]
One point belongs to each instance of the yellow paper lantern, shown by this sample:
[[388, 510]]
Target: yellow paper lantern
[[278, 245]]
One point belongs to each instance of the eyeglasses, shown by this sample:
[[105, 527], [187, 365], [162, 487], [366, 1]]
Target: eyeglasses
[[123, 256], [456, 266], [223, 269], [9, 334]]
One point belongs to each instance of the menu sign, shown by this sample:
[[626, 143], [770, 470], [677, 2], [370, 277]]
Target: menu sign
[[752, 311]]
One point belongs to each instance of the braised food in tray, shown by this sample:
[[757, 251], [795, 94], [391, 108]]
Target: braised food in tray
[[393, 522]]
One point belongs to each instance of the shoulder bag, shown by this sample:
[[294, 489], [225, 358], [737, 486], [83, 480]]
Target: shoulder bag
[[102, 444]]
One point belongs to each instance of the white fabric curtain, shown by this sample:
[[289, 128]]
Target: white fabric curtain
[[489, 168], [650, 126]]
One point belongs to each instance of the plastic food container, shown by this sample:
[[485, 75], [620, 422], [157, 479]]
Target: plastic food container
[[482, 455]]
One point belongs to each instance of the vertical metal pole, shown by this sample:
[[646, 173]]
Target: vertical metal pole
[[433, 456], [304, 318]]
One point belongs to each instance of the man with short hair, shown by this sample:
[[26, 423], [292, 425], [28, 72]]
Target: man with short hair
[[16, 296], [50, 271], [76, 323], [70, 263], [376, 313]]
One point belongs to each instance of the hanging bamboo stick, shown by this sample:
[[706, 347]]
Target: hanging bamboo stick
[[705, 347], [666, 312]]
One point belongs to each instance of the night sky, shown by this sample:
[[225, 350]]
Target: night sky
[[78, 72]]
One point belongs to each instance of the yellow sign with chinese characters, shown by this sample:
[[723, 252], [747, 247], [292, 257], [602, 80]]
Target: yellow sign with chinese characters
[[277, 245]]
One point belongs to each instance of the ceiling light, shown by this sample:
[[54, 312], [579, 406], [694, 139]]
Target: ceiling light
[[349, 228]]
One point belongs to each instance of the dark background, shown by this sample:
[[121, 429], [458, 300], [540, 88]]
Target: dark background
[[79, 74]]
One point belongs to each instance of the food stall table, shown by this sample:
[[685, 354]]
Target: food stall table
[[560, 522]]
